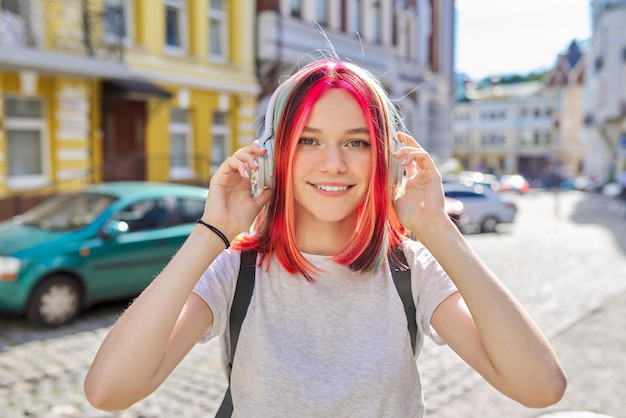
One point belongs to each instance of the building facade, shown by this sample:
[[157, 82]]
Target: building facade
[[531, 128], [408, 43], [566, 81], [505, 129], [103, 90], [605, 94]]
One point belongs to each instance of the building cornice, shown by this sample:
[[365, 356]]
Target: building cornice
[[58, 63]]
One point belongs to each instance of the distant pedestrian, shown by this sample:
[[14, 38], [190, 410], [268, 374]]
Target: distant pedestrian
[[325, 333]]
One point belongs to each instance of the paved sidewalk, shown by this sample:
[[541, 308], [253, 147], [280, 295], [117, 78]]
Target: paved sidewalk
[[593, 353], [593, 348]]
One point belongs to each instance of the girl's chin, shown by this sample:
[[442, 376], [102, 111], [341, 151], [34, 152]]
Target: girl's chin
[[330, 216]]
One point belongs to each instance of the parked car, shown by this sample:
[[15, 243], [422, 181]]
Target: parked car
[[471, 178], [482, 208], [514, 183], [486, 183], [583, 183], [106, 242]]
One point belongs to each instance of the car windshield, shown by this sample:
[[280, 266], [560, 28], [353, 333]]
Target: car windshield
[[66, 212]]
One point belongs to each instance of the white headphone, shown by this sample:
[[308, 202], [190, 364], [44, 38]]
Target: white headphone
[[264, 176], [265, 173]]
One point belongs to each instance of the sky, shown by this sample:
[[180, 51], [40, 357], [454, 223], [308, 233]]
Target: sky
[[496, 37]]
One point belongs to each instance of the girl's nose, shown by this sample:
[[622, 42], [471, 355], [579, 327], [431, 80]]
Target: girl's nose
[[333, 161]]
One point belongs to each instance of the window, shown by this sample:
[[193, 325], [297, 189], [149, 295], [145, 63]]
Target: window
[[463, 194], [492, 139], [321, 12], [218, 30], [68, 212], [144, 215], [188, 210], [547, 137], [295, 7], [358, 16], [15, 27], [526, 138], [175, 24], [405, 36], [599, 63], [376, 18], [536, 138], [117, 20], [180, 145], [221, 148], [25, 132]]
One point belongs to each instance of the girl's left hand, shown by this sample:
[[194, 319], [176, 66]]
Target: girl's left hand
[[423, 199]]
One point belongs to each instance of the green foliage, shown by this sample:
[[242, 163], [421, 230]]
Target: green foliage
[[511, 78]]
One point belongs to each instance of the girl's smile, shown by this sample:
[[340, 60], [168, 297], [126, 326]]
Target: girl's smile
[[328, 189]]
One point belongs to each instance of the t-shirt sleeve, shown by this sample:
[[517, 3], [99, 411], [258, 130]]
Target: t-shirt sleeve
[[431, 285], [216, 287]]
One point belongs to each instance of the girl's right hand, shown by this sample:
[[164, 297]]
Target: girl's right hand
[[229, 204], [423, 198]]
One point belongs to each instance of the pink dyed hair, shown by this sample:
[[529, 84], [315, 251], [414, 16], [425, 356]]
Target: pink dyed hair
[[378, 226]]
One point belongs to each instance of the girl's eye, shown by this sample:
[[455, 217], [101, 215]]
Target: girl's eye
[[307, 141], [358, 143]]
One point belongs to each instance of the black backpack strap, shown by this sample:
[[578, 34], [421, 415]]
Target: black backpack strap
[[238, 310], [402, 279]]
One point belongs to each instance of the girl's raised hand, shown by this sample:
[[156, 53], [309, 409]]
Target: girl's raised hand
[[229, 202], [423, 198]]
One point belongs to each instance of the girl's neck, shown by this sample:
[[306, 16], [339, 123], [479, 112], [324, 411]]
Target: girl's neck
[[323, 238]]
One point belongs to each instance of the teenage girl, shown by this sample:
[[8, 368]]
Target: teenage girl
[[325, 333]]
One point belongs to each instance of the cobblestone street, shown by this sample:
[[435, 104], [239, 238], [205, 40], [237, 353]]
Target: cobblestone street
[[564, 258]]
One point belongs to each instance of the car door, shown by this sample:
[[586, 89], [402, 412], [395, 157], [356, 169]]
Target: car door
[[124, 264]]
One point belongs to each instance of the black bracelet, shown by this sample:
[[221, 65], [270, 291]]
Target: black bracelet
[[217, 232]]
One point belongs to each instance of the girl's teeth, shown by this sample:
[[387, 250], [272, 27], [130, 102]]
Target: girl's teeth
[[332, 188]]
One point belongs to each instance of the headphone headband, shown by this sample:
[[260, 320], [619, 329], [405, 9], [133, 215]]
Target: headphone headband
[[263, 176], [268, 124]]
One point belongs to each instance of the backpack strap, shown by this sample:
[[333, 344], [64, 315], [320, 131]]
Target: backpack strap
[[402, 279], [238, 310], [245, 286]]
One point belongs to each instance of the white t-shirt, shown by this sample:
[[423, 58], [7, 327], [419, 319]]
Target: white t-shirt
[[336, 347]]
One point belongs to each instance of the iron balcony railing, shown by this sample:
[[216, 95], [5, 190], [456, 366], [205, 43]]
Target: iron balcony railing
[[78, 27]]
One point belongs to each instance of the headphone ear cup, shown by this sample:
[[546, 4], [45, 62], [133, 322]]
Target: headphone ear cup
[[265, 171], [396, 170]]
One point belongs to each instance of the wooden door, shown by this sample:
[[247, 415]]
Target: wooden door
[[124, 126]]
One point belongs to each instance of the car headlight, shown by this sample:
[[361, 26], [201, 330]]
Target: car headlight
[[9, 266]]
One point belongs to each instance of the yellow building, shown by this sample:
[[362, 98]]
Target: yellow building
[[103, 90]]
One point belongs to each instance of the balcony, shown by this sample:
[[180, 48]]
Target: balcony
[[80, 37]]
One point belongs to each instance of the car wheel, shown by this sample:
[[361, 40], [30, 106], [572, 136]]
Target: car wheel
[[55, 301], [489, 224]]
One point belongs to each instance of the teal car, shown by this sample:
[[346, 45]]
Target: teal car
[[106, 242]]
